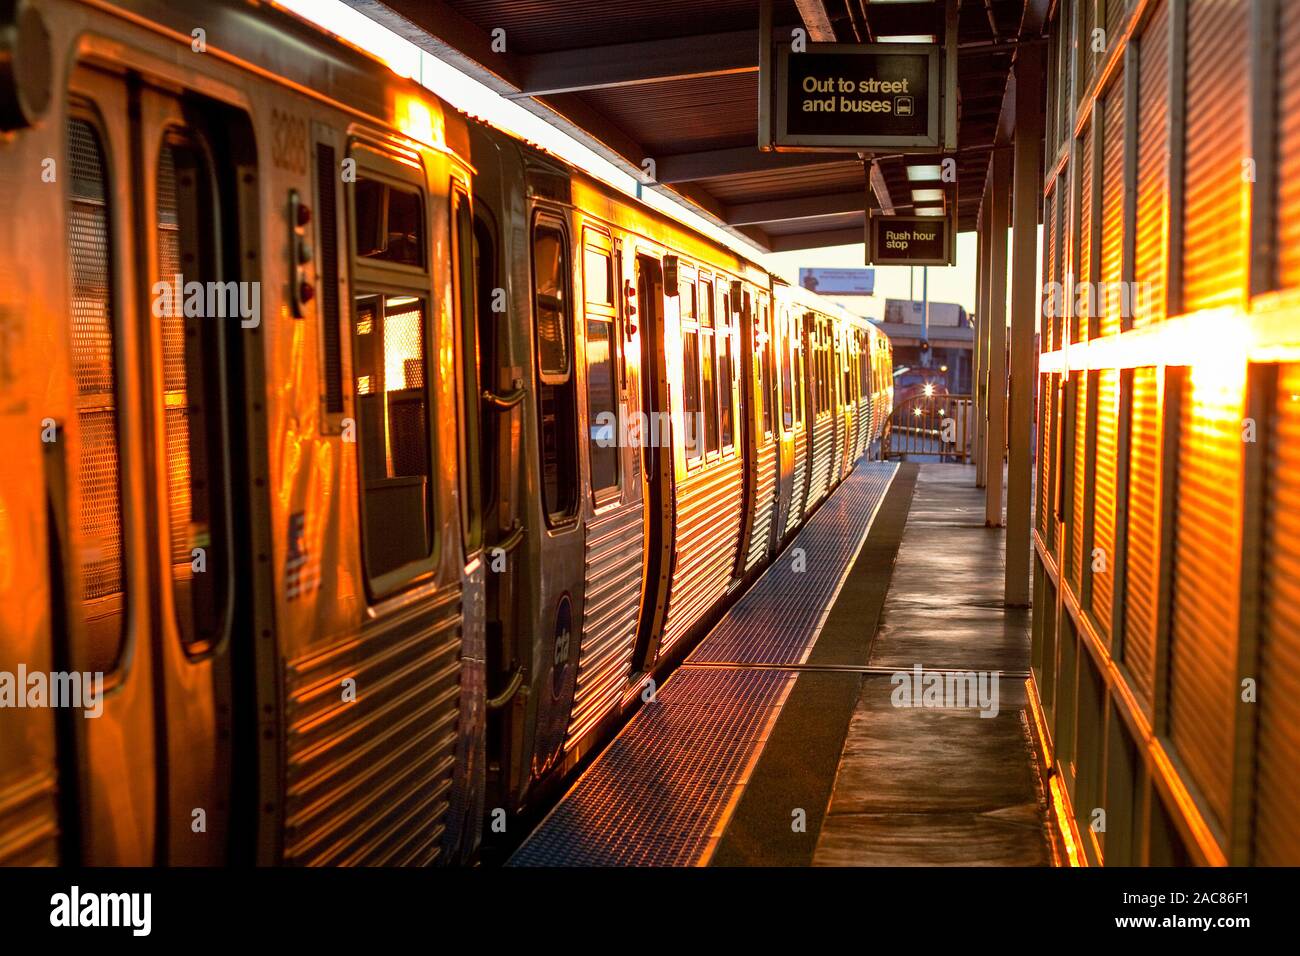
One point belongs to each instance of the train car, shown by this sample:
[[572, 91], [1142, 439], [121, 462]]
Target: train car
[[645, 443], [369, 463], [247, 516]]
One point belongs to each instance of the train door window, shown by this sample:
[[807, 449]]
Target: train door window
[[708, 367], [847, 365], [193, 395], [864, 365], [787, 365], [557, 408], [726, 335], [800, 367], [691, 407], [486, 283], [602, 346], [390, 365], [389, 223], [94, 366], [766, 345], [815, 371], [462, 244]]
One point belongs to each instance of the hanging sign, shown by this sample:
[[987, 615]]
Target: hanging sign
[[857, 97], [910, 240]]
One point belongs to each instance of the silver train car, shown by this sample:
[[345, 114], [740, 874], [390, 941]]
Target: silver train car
[[363, 463]]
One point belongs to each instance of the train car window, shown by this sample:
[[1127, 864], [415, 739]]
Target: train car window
[[726, 336], [787, 386], [389, 335], [463, 253], [389, 222], [557, 404], [192, 397], [692, 411], [94, 367], [709, 367], [602, 346], [596, 266]]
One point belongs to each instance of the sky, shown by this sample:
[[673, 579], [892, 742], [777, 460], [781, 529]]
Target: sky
[[953, 284]]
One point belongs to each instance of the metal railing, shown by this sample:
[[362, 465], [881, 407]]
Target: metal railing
[[931, 427]]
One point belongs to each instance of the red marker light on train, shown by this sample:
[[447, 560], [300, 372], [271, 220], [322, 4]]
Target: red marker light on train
[[304, 214], [306, 292]]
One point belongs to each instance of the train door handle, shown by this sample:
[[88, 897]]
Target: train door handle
[[503, 402]]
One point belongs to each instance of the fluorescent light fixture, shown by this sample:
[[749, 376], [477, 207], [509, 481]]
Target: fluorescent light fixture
[[908, 38], [932, 211], [923, 173], [927, 195]]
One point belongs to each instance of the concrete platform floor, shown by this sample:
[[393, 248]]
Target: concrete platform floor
[[939, 784]]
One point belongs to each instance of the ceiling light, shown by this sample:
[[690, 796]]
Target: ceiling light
[[923, 173]]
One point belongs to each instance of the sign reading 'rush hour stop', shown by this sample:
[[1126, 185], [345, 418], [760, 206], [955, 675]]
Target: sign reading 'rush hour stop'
[[858, 96], [909, 241]]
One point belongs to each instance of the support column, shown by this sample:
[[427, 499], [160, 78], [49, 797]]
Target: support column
[[997, 311], [979, 353], [1026, 187]]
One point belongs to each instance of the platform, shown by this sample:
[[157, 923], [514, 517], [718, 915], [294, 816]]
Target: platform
[[776, 742]]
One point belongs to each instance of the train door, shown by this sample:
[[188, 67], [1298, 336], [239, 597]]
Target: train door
[[656, 462], [465, 810], [160, 521], [189, 220]]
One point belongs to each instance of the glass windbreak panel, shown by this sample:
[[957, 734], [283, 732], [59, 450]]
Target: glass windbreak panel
[[389, 334]]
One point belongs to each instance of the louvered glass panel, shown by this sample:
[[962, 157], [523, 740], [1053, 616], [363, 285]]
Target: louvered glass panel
[[1111, 302], [1149, 266], [1288, 146], [1215, 193], [1277, 777], [1085, 308], [1104, 498], [1142, 564], [1207, 559]]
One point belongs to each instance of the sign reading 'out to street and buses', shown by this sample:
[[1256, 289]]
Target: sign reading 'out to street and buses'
[[909, 241], [858, 96]]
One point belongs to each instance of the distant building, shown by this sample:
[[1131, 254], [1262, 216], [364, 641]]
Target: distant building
[[942, 356]]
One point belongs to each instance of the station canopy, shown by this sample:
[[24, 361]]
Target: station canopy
[[677, 81]]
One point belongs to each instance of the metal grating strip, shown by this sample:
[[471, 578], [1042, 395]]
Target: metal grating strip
[[659, 795], [662, 792], [778, 619]]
